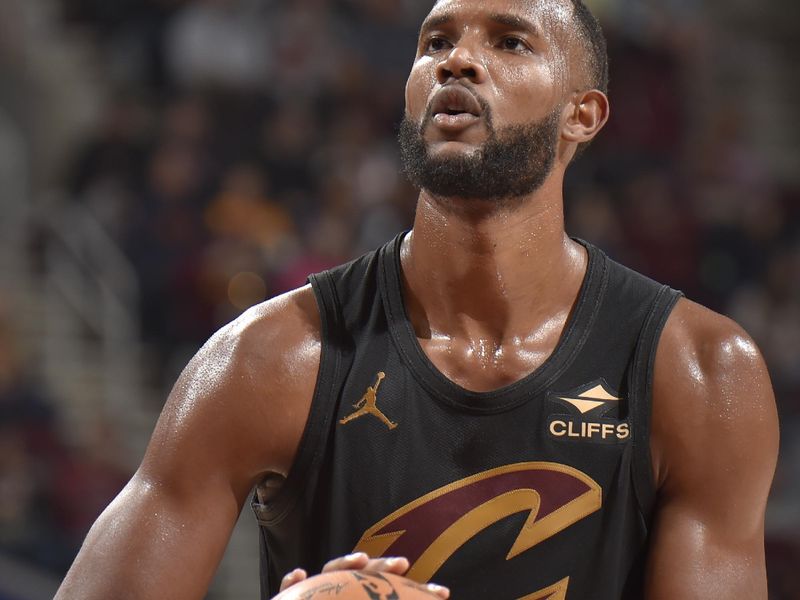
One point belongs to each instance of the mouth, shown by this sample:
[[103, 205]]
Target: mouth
[[455, 100], [454, 108]]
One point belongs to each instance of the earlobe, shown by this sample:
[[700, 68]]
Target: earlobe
[[588, 113]]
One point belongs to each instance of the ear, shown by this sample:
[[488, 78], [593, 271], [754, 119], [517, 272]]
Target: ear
[[586, 114]]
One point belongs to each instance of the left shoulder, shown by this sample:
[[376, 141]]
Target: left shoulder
[[697, 340], [714, 444], [712, 398]]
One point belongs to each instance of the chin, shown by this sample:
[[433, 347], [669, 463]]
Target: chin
[[446, 148]]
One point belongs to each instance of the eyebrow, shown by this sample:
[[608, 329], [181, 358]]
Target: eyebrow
[[516, 22], [513, 21], [434, 23]]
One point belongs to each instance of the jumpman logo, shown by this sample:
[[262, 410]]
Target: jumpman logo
[[367, 405]]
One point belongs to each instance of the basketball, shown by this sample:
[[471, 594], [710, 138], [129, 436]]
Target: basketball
[[357, 585]]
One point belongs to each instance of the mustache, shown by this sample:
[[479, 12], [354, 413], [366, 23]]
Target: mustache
[[486, 111]]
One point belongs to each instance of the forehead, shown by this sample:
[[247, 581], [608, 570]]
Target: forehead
[[549, 16]]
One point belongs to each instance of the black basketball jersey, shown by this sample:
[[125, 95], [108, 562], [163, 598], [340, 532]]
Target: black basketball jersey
[[539, 490]]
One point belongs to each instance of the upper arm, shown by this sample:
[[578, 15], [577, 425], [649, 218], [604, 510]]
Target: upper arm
[[238, 409], [236, 414], [714, 442]]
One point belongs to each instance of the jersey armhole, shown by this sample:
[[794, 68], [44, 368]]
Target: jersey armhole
[[310, 449], [641, 409]]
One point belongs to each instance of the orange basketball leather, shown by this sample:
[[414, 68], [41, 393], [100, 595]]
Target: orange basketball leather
[[356, 585]]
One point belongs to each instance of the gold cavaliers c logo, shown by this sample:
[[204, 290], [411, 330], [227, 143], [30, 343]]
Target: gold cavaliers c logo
[[426, 532]]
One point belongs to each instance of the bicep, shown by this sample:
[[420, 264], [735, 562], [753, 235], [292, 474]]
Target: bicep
[[219, 433], [693, 556], [164, 534], [715, 447]]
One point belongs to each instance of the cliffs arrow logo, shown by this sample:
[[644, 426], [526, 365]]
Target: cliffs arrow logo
[[592, 399], [597, 418]]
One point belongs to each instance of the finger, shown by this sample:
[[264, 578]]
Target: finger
[[290, 579], [394, 564], [439, 590], [355, 561]]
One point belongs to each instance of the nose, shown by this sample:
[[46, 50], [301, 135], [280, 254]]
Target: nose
[[460, 63]]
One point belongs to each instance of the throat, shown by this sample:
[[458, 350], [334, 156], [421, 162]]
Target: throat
[[492, 339], [485, 327]]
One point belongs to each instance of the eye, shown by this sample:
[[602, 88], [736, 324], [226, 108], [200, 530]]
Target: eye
[[514, 44], [436, 44]]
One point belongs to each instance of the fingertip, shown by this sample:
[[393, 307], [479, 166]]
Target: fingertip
[[295, 576], [397, 565], [356, 560], [398, 560], [356, 557], [439, 590]]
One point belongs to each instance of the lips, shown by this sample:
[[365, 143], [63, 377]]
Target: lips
[[454, 109], [455, 100]]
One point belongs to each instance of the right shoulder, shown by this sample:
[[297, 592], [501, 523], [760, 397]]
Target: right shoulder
[[242, 402], [274, 339]]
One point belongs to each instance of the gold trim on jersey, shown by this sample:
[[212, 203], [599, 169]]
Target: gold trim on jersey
[[485, 514], [557, 591]]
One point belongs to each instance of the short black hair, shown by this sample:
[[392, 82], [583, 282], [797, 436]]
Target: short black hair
[[594, 42]]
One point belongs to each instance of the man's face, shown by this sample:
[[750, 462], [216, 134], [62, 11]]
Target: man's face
[[484, 97]]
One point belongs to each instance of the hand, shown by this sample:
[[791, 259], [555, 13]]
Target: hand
[[361, 562]]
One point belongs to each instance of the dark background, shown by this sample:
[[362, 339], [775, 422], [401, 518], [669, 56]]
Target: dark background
[[165, 164]]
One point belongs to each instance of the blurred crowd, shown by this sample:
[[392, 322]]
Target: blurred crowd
[[248, 143], [51, 490]]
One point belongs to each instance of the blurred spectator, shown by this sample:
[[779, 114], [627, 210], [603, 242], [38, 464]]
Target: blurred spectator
[[660, 229], [328, 243], [84, 480], [165, 242], [219, 43], [107, 172], [769, 308], [306, 53], [251, 235], [288, 139], [593, 216], [783, 556], [31, 451], [243, 212]]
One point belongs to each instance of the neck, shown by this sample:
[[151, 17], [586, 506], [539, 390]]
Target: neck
[[485, 271]]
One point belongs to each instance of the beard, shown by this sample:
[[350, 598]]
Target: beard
[[514, 161]]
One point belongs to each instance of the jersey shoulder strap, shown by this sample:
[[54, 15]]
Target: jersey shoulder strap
[[343, 294], [639, 301]]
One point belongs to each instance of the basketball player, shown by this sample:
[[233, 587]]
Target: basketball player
[[505, 409]]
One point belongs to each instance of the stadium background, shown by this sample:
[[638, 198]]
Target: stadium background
[[166, 163]]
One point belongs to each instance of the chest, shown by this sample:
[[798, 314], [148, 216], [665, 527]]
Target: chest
[[484, 364], [459, 491]]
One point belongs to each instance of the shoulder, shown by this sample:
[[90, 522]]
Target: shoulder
[[713, 405], [283, 332], [264, 348], [705, 345], [243, 400]]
